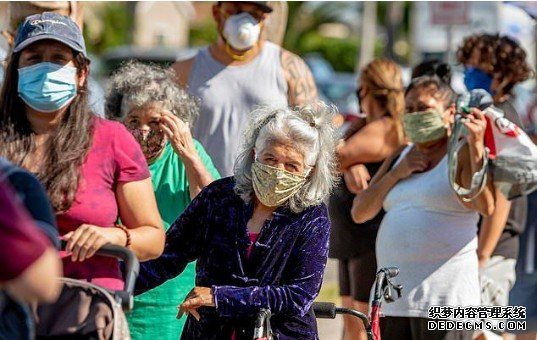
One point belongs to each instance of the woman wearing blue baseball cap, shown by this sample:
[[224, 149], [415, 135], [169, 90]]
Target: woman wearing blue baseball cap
[[93, 169]]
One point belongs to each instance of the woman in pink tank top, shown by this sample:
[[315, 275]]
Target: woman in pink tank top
[[93, 169]]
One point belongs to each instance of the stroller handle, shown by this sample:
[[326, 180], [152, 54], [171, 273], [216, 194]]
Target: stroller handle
[[131, 269]]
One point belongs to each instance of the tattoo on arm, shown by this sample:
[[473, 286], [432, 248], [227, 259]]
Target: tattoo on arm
[[301, 86]]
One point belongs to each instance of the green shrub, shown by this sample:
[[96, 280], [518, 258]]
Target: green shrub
[[340, 53], [203, 33], [117, 24]]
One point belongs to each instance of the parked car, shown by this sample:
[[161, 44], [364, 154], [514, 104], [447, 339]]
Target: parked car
[[336, 88], [339, 88]]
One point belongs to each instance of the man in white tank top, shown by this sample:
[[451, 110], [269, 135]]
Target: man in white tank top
[[237, 73]]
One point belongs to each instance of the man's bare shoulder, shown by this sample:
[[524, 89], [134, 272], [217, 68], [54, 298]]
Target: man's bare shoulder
[[287, 57], [182, 70], [302, 89]]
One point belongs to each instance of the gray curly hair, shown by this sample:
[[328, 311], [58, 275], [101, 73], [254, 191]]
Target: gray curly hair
[[135, 85], [309, 129]]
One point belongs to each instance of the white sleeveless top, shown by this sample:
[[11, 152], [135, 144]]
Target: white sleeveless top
[[228, 94], [432, 238]]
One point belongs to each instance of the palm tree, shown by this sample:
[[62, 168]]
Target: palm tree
[[305, 17]]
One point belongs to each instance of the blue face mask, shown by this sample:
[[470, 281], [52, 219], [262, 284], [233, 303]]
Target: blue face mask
[[474, 78], [47, 87]]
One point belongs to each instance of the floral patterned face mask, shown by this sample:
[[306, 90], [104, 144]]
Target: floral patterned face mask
[[152, 141], [273, 186]]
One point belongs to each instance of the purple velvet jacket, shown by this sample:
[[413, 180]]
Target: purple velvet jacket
[[284, 271]]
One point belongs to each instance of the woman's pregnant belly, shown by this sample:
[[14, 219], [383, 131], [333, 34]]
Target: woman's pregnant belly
[[407, 236]]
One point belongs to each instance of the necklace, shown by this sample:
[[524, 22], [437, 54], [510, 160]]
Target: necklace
[[238, 57]]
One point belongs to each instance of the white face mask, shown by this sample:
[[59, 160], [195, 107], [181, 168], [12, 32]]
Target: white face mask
[[241, 31]]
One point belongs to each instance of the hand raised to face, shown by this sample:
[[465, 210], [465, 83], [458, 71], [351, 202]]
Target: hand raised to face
[[178, 133]]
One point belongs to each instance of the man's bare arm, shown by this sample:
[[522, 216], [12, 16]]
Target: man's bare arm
[[301, 86]]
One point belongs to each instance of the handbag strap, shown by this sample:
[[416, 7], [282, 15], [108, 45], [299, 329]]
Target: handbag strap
[[479, 178]]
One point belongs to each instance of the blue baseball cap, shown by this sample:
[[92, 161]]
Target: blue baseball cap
[[49, 25]]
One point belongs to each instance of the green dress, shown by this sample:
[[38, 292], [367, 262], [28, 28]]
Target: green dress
[[154, 313]]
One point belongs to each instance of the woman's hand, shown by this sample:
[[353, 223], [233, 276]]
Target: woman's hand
[[84, 242], [198, 297], [476, 125], [179, 135], [414, 161], [178, 132], [356, 178]]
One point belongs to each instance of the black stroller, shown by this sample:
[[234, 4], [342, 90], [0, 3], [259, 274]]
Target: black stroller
[[87, 311]]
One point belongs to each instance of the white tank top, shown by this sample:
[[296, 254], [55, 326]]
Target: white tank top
[[228, 94], [432, 238]]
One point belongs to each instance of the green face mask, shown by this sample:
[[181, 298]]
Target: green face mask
[[274, 186], [424, 126]]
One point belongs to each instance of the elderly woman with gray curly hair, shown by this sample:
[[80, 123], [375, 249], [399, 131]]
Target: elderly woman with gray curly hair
[[158, 113], [260, 238]]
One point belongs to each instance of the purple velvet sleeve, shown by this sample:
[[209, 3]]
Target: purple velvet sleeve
[[183, 245], [303, 278]]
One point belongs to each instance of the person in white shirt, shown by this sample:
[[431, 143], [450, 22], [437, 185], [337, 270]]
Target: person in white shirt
[[239, 72], [428, 232]]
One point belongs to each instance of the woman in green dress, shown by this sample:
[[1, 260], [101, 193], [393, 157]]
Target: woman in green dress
[[158, 113]]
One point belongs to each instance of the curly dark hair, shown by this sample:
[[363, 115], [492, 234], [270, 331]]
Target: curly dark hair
[[485, 45], [511, 60], [498, 56]]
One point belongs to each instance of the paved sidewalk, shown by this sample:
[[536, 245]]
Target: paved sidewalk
[[330, 329]]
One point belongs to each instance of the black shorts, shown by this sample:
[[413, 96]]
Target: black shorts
[[400, 328], [357, 276]]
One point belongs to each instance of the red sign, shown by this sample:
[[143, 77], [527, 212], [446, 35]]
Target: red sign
[[449, 13]]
